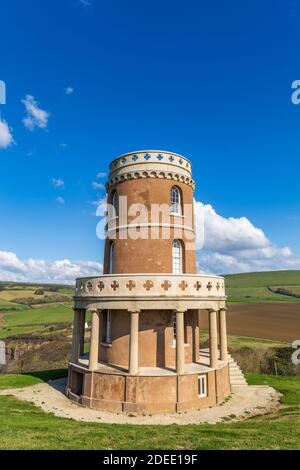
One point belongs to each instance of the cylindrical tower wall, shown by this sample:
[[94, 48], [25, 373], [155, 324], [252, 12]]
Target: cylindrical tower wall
[[140, 238]]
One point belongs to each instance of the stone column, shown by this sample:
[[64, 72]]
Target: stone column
[[179, 342], [213, 338], [199, 320], [76, 334], [134, 343], [223, 335], [94, 347], [81, 332]]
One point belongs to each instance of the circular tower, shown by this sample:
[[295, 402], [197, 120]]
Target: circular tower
[[144, 349], [161, 184]]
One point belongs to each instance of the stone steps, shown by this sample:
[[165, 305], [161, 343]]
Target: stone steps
[[237, 378]]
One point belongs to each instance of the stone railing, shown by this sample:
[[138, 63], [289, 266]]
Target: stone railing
[[150, 164], [141, 286]]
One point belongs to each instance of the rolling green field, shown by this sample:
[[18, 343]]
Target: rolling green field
[[253, 287], [24, 426], [17, 318]]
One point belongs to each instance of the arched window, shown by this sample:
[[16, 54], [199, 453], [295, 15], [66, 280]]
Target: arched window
[[115, 202], [111, 258], [176, 202], [177, 257]]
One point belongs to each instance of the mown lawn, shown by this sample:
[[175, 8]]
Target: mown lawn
[[25, 380], [23, 426]]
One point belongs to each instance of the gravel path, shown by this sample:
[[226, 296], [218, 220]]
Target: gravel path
[[244, 402]]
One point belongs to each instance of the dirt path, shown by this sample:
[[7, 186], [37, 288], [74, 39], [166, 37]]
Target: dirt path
[[244, 402]]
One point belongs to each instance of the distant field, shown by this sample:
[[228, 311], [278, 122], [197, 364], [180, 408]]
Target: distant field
[[10, 295], [273, 321], [253, 287], [17, 318], [261, 279], [5, 305], [47, 314], [256, 294]]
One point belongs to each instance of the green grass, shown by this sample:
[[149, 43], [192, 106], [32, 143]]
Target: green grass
[[25, 380], [263, 279], [6, 305], [7, 331], [23, 426], [253, 287], [256, 294], [55, 313], [288, 386], [236, 342]]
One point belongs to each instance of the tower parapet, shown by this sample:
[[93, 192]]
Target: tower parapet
[[151, 164]]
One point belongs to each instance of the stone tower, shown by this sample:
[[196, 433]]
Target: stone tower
[[144, 350]]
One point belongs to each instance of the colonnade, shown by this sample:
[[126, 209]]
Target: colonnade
[[215, 318]]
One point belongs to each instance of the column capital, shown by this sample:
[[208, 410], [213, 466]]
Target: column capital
[[179, 310], [93, 310], [223, 308], [135, 310]]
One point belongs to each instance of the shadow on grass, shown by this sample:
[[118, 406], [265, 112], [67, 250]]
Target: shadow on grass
[[46, 375]]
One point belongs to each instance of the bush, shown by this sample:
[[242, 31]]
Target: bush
[[275, 361], [39, 292]]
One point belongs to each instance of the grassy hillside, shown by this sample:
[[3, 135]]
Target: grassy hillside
[[54, 305], [263, 279], [262, 286]]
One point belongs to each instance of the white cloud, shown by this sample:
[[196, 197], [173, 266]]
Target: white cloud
[[101, 175], [6, 138], [228, 245], [57, 182], [69, 90], [63, 271], [60, 200], [35, 116], [10, 262], [98, 185]]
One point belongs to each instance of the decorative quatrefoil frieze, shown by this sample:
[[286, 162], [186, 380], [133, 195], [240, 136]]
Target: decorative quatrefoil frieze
[[209, 286], [130, 285], [148, 285], [183, 285], [100, 286], [166, 285], [198, 285], [89, 286], [114, 285]]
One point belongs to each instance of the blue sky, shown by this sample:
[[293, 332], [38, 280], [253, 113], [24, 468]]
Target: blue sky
[[209, 80]]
